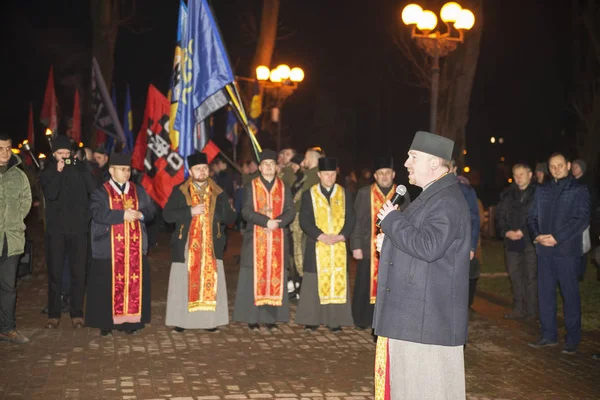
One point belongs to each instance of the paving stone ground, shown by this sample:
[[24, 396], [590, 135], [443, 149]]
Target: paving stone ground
[[235, 363]]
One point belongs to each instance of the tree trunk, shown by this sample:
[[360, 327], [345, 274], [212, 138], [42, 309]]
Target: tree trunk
[[456, 82], [262, 56], [105, 21]]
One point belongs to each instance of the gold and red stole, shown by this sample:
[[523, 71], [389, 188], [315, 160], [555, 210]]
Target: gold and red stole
[[126, 256], [382, 369], [268, 247], [201, 260], [330, 217], [377, 201]]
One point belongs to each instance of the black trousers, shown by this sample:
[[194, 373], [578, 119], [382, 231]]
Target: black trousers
[[522, 271], [58, 247]]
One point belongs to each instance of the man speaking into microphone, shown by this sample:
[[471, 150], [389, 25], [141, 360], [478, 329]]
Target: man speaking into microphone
[[421, 314], [369, 201]]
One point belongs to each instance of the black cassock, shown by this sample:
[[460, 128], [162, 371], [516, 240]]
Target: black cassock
[[98, 310], [362, 309]]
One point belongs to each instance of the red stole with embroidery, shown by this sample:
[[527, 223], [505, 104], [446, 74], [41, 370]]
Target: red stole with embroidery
[[126, 249], [377, 201], [269, 260]]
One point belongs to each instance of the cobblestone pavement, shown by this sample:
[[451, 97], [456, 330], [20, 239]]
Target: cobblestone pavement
[[235, 363]]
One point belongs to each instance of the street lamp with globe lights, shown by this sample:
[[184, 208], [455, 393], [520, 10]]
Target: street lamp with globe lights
[[436, 43], [279, 83]]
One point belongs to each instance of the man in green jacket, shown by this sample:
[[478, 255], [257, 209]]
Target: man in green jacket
[[15, 202]]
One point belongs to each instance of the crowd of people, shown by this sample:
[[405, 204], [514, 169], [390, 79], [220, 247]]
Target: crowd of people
[[418, 262]]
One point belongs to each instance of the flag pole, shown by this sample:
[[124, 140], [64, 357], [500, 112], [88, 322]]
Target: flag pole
[[230, 161], [237, 106]]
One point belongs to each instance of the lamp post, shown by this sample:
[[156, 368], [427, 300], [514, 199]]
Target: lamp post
[[436, 43], [278, 83]]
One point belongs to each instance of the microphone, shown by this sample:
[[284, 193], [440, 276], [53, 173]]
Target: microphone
[[400, 191]]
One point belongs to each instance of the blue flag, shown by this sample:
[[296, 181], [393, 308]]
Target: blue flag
[[176, 81], [128, 124], [205, 73], [231, 132]]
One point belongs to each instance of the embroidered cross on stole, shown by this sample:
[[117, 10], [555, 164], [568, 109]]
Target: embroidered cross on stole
[[331, 260], [126, 256], [269, 254], [377, 201], [202, 264]]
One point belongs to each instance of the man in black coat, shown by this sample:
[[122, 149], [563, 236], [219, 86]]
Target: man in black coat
[[520, 257], [421, 313], [67, 184]]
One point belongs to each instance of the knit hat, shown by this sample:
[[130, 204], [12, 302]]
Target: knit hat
[[61, 142]]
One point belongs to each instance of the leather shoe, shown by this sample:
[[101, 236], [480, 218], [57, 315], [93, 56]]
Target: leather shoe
[[271, 326], [105, 332], [569, 349], [77, 323], [178, 329], [13, 337], [311, 327], [253, 327], [543, 342], [52, 323], [211, 330], [335, 329]]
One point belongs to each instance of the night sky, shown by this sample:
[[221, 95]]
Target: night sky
[[358, 99]]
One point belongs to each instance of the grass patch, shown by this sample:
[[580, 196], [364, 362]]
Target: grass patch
[[589, 289]]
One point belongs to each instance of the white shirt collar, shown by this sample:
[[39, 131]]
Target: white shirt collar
[[126, 191]]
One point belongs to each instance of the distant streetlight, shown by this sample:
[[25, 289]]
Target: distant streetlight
[[510, 180], [466, 170], [492, 140], [502, 159], [500, 140], [279, 82], [465, 152], [437, 44]]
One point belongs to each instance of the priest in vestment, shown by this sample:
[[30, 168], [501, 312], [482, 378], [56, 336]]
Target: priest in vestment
[[118, 284], [261, 296], [327, 217], [367, 204], [200, 210]]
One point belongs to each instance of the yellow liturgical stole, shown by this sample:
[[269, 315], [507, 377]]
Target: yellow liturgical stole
[[331, 260]]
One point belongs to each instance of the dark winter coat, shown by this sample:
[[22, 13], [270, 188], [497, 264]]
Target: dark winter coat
[[423, 287]]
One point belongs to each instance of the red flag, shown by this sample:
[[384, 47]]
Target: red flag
[[153, 154], [100, 137], [211, 150], [75, 132], [48, 115], [30, 135]]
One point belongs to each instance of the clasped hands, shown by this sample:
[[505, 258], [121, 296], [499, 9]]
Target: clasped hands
[[514, 235], [330, 239], [546, 240], [132, 215]]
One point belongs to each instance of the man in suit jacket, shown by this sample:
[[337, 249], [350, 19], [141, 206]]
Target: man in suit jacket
[[421, 313], [557, 219]]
